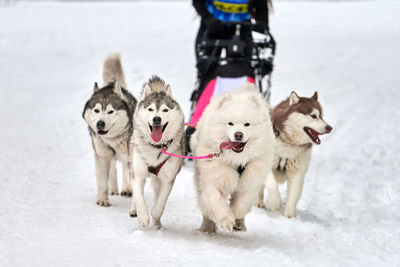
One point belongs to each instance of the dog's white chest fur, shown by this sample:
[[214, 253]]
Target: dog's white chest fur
[[290, 159], [113, 147]]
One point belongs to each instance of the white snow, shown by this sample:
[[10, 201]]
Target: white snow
[[51, 53]]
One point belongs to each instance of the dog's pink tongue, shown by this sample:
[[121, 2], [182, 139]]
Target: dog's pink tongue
[[156, 134], [230, 145]]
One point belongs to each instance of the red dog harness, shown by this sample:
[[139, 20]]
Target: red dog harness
[[155, 170]]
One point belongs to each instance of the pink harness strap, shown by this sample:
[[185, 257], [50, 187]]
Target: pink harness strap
[[205, 99], [209, 156]]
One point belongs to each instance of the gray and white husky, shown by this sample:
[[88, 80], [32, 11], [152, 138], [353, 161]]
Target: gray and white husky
[[158, 124], [297, 124], [109, 114]]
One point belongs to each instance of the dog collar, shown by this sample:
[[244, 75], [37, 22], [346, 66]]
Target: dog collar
[[165, 145]]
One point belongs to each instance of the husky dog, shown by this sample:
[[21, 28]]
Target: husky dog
[[239, 125], [297, 124], [109, 115], [158, 123]]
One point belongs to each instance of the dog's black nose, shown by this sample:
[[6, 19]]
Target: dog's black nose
[[100, 125], [238, 136], [328, 129], [157, 120]]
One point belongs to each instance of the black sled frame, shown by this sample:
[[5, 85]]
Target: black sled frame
[[235, 57]]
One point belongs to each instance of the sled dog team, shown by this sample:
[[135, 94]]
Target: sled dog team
[[256, 146]]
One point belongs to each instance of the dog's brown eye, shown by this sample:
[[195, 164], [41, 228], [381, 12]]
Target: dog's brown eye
[[230, 123], [246, 124], [165, 110], [150, 109], [96, 110], [111, 112], [314, 116]]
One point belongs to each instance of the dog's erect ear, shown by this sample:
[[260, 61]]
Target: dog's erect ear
[[315, 96], [168, 90], [118, 89], [293, 98], [145, 91], [95, 88], [223, 100], [255, 100]]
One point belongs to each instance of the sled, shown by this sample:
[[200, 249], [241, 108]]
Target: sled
[[225, 64]]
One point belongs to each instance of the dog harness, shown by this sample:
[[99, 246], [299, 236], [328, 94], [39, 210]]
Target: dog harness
[[282, 161], [155, 170], [282, 165], [241, 169], [165, 145]]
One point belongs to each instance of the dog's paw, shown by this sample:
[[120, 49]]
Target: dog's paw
[[274, 203], [156, 218], [103, 202], [239, 226], [158, 225], [126, 192], [260, 204], [144, 219], [132, 213], [208, 229], [227, 223], [290, 212], [208, 226], [114, 192]]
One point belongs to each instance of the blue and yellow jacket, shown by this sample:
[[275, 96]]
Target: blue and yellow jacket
[[233, 10]]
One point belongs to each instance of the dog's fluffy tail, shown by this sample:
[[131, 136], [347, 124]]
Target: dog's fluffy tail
[[112, 70]]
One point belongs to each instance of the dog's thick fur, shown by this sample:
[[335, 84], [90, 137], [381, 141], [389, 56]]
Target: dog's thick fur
[[224, 195], [297, 123], [109, 114], [156, 108]]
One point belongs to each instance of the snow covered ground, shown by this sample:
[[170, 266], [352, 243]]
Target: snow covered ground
[[51, 53]]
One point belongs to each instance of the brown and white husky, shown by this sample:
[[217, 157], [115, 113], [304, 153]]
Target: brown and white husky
[[298, 123]]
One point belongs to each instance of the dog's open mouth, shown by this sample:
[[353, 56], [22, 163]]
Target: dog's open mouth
[[314, 135], [235, 146], [157, 131], [100, 132]]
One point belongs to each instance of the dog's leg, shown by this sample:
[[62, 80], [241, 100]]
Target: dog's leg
[[126, 184], [274, 201], [208, 226], [138, 183], [159, 206], [240, 225], [247, 191], [113, 178], [260, 199], [213, 201], [102, 171], [132, 211], [294, 189], [155, 182]]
